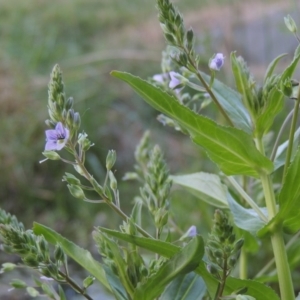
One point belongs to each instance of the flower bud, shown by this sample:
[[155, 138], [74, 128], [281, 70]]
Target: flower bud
[[111, 159], [71, 179], [77, 120], [69, 103], [52, 155], [88, 281], [76, 191], [113, 181], [7, 267], [290, 24], [18, 284], [59, 254]]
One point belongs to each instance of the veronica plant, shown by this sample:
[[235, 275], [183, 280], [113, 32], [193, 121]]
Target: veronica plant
[[180, 265]]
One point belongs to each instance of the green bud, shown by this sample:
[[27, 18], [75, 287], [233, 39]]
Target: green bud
[[77, 120], [130, 176], [84, 142], [71, 179], [111, 159], [18, 284], [69, 103], [43, 245], [287, 88], [113, 181], [290, 24], [239, 244], [213, 270], [76, 191], [7, 267], [231, 238], [70, 118], [218, 253], [190, 39], [59, 254], [52, 155], [32, 292], [88, 281], [170, 38], [232, 262]]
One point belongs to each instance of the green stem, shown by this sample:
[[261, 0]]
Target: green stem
[[88, 176], [206, 86], [75, 286], [291, 136], [280, 255], [243, 264], [283, 126]]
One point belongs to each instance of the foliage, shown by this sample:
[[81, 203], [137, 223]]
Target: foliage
[[149, 256]]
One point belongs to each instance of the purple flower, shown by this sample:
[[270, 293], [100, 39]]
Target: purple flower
[[56, 138], [160, 77], [192, 231], [174, 80], [217, 62]]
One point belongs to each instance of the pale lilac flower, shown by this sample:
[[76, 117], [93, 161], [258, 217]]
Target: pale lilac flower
[[46, 278], [161, 78], [56, 138], [192, 231], [217, 62], [174, 80]]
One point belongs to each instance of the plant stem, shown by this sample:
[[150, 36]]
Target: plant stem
[[283, 126], [206, 86], [75, 286], [280, 255], [243, 264], [291, 136], [88, 176]]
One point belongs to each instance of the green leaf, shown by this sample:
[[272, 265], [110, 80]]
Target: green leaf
[[232, 103], [245, 218], [81, 256], [231, 149], [281, 151], [208, 187], [115, 284], [160, 247], [272, 66], [275, 101], [119, 261], [185, 287], [255, 289], [185, 261], [289, 198]]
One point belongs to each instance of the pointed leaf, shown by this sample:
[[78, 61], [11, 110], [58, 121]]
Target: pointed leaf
[[206, 186], [245, 218], [281, 151], [81, 256], [185, 287], [273, 65], [255, 289], [115, 284], [185, 261], [289, 197], [232, 103], [231, 149], [159, 247]]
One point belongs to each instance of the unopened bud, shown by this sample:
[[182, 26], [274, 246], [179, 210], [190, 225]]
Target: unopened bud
[[71, 179], [88, 281], [113, 181], [76, 191], [111, 159], [290, 24], [52, 155]]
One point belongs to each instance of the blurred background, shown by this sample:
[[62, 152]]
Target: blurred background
[[88, 39]]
